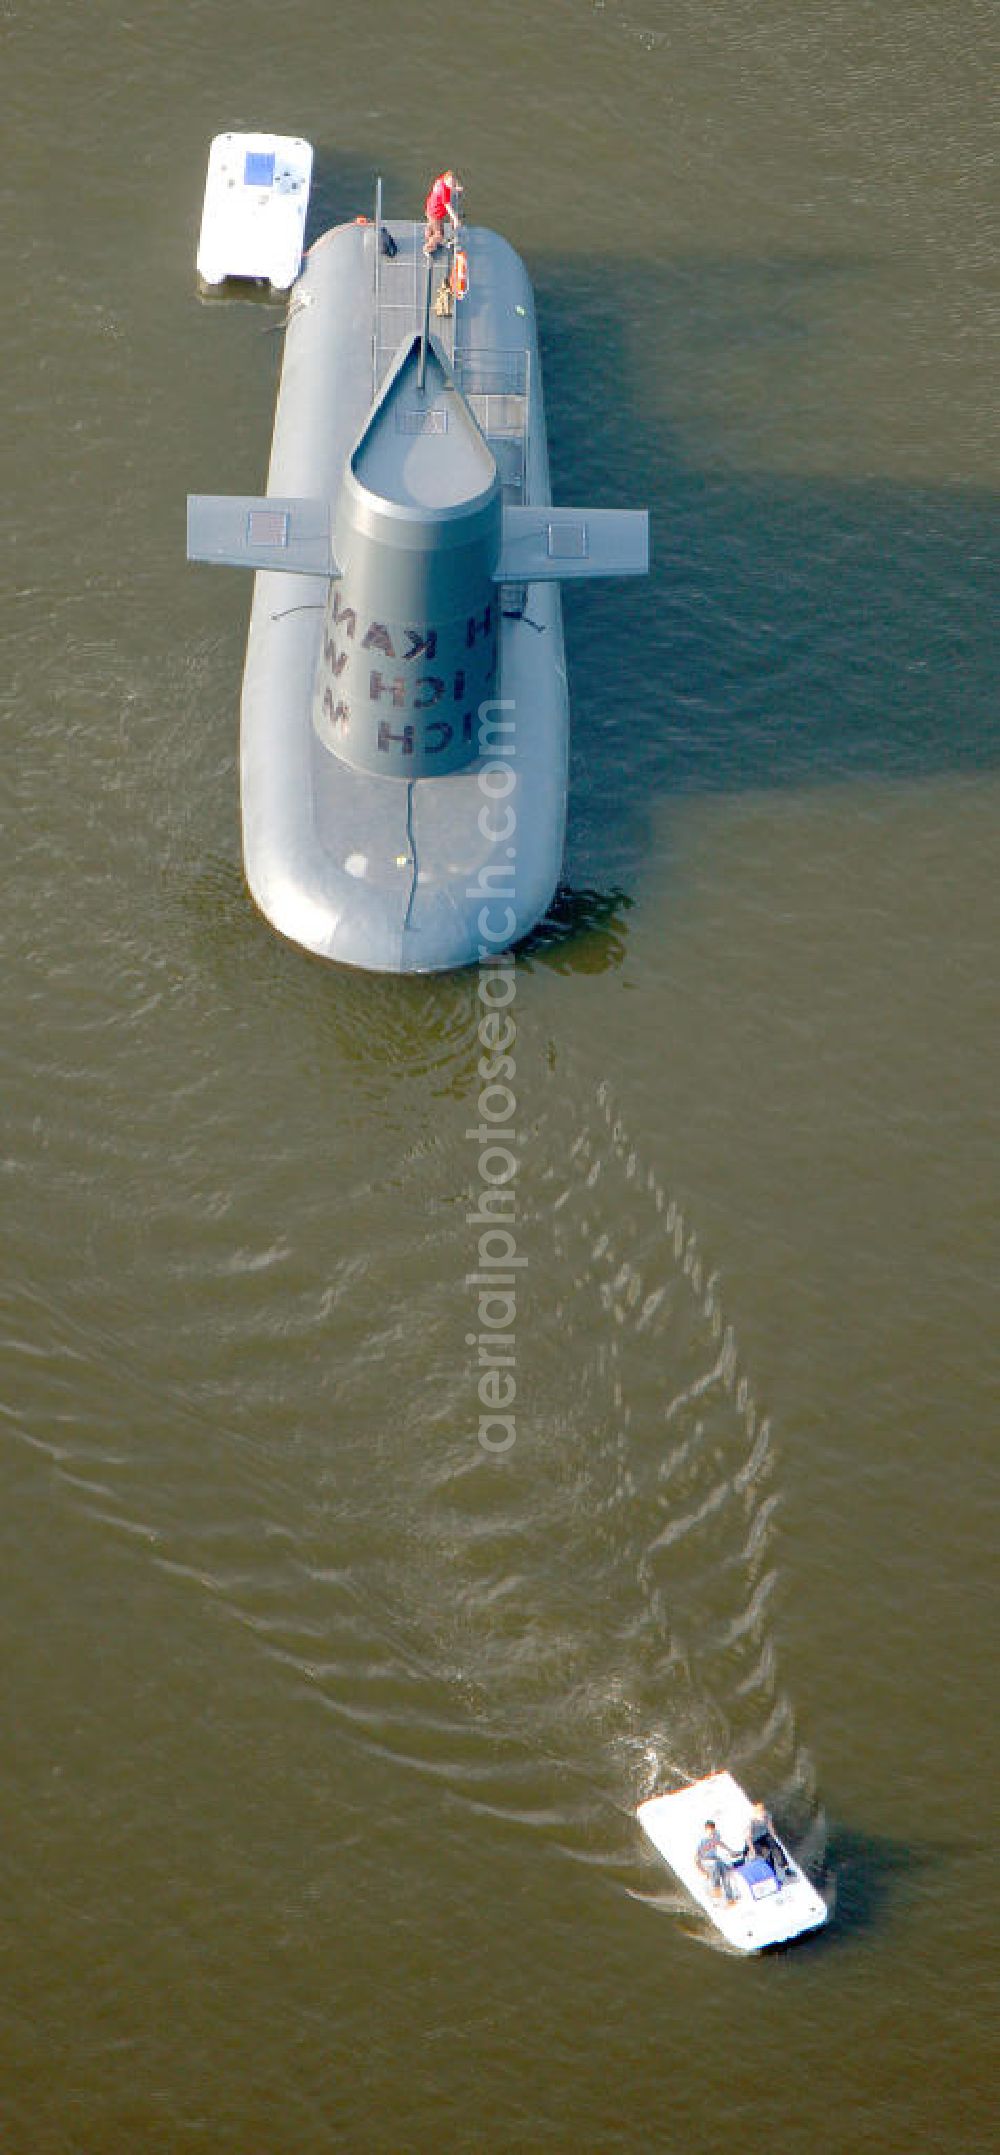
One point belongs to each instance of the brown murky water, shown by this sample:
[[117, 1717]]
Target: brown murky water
[[324, 1727]]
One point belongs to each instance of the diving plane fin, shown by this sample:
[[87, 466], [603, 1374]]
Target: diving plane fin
[[546, 545], [261, 531]]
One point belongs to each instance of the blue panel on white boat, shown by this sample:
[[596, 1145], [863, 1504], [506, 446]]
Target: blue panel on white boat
[[258, 169]]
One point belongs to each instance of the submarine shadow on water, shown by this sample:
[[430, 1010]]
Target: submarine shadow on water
[[584, 931], [793, 631]]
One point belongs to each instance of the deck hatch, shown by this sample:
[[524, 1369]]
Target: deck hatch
[[567, 542], [434, 421], [267, 527]]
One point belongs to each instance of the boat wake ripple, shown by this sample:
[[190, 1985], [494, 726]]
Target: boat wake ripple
[[552, 1635]]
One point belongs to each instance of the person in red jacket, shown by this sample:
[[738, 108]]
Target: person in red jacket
[[440, 204]]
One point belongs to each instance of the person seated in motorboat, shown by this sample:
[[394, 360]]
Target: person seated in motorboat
[[762, 1841], [715, 1861]]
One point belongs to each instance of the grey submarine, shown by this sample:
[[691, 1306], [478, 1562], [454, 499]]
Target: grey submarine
[[405, 713]]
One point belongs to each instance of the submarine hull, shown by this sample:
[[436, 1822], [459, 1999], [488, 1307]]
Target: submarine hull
[[391, 873]]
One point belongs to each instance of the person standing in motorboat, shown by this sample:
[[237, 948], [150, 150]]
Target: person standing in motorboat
[[762, 1841], [715, 1861], [440, 204]]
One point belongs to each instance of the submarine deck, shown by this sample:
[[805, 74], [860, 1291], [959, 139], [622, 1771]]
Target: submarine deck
[[391, 874]]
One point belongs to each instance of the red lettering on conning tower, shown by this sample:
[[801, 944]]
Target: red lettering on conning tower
[[396, 689], [346, 614], [339, 714], [478, 627], [434, 691], [441, 726], [386, 737], [336, 660], [377, 638], [423, 644]]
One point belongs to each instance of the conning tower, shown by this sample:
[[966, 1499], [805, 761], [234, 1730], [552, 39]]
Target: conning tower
[[410, 639]]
